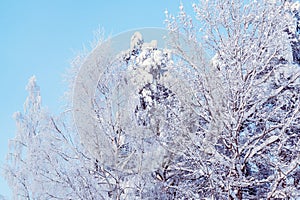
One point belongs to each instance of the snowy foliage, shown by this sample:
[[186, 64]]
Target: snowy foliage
[[249, 96], [214, 116], [44, 162]]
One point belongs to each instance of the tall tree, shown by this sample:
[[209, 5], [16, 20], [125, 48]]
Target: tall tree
[[249, 95]]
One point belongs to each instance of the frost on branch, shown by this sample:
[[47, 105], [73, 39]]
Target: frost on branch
[[215, 116], [138, 110], [44, 160], [248, 96]]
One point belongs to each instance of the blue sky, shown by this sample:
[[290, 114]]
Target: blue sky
[[39, 37]]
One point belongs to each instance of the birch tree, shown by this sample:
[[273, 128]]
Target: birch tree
[[45, 160], [248, 95]]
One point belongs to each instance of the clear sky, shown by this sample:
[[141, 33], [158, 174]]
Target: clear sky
[[39, 37]]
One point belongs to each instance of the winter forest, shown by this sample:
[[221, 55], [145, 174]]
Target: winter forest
[[214, 115]]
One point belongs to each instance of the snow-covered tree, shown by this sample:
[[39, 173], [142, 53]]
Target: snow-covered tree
[[248, 96], [215, 115], [45, 160]]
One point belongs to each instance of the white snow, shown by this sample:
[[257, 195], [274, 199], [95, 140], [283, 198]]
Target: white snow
[[136, 40]]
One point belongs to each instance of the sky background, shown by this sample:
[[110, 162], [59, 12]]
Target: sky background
[[39, 37]]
